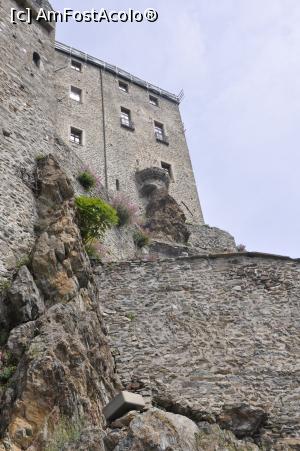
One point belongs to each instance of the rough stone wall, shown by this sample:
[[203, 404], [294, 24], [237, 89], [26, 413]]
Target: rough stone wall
[[127, 151], [210, 240], [27, 124], [203, 333], [86, 116]]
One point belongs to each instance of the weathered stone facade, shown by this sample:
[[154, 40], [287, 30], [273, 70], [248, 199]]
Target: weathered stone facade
[[27, 106], [117, 152], [200, 333]]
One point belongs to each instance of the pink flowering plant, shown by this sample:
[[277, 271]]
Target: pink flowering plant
[[127, 211]]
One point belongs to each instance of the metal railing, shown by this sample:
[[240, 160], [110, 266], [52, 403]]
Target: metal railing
[[115, 70]]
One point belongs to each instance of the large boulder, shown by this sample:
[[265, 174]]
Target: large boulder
[[157, 430]]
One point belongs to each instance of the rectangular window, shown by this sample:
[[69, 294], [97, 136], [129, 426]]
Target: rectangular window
[[76, 65], [76, 136], [168, 168], [123, 86], [160, 133], [153, 100], [126, 119], [75, 94]]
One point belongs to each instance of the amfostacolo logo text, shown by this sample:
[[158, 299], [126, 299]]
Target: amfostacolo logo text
[[68, 14]]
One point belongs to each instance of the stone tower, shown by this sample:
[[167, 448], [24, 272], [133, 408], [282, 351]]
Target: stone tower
[[27, 110], [120, 124]]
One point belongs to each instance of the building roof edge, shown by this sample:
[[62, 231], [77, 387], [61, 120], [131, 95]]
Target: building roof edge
[[72, 52]]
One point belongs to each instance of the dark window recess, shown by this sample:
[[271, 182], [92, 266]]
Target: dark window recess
[[76, 136], [75, 94], [36, 59], [153, 100], [76, 65], [160, 133], [123, 86], [126, 119], [117, 185], [168, 168]]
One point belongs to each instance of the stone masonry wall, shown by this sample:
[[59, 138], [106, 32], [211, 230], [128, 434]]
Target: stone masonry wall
[[139, 149], [210, 240], [86, 116], [27, 124], [208, 332]]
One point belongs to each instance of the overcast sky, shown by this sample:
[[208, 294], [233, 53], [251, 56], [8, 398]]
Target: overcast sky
[[238, 62]]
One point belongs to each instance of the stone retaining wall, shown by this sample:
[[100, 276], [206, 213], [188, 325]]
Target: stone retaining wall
[[205, 332]]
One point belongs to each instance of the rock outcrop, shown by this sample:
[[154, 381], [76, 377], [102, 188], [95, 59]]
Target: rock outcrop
[[24, 301], [63, 368], [164, 217]]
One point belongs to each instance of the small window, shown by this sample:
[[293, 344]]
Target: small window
[[76, 136], [153, 100], [168, 168], [76, 65], [159, 130], [36, 59], [123, 86], [75, 94], [160, 133], [117, 185], [126, 119]]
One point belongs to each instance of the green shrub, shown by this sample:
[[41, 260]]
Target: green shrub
[[140, 238], [40, 157], [6, 373], [87, 180], [94, 217]]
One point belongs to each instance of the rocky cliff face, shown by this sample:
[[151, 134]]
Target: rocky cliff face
[[56, 350]]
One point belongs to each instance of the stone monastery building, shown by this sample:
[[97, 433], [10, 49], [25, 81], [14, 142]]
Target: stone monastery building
[[120, 124]]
